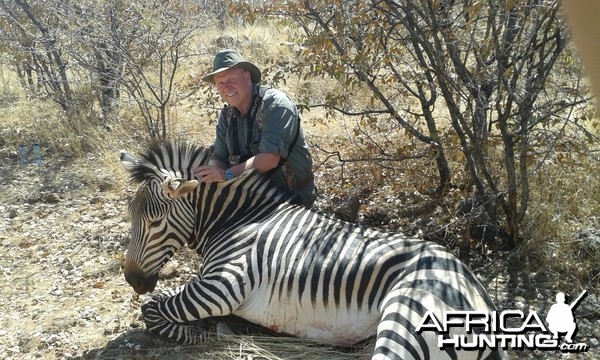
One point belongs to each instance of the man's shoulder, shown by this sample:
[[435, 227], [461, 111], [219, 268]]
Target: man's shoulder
[[276, 97]]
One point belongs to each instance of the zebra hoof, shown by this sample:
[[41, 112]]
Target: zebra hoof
[[223, 330], [155, 297], [150, 312]]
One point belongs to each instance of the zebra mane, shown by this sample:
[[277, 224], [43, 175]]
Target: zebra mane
[[174, 158], [178, 160]]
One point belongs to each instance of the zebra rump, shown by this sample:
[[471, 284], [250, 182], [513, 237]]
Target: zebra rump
[[287, 269]]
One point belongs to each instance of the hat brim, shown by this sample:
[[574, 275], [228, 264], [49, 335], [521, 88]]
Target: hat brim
[[255, 73]]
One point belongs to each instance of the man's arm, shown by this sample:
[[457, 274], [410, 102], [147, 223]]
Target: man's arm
[[262, 163]]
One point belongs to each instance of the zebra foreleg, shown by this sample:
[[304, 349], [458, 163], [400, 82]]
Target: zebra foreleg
[[191, 333]]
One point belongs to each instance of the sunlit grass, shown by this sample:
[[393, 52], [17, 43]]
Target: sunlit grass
[[565, 192]]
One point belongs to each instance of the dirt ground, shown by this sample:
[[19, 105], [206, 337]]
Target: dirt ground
[[63, 234]]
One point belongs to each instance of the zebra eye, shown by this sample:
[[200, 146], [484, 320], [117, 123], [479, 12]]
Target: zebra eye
[[154, 223]]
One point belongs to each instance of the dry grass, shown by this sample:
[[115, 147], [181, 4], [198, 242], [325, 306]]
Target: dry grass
[[260, 347], [565, 194], [564, 205]]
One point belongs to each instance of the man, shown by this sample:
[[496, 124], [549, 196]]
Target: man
[[560, 318], [259, 129]]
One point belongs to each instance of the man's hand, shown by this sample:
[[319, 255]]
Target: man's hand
[[209, 174], [262, 162]]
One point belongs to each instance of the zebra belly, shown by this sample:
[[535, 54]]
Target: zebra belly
[[336, 326]]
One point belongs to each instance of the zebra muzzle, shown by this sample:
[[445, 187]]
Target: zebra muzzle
[[139, 281]]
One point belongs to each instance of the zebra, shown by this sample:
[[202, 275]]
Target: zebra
[[290, 269]]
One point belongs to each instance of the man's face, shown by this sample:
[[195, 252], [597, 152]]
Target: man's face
[[235, 87]]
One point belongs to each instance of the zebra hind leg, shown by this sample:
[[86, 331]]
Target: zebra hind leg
[[397, 336], [402, 311]]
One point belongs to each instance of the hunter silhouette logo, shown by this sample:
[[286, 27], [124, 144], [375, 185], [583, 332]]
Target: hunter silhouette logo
[[507, 329], [560, 317]]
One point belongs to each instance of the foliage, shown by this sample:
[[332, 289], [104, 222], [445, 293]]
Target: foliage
[[479, 74], [33, 38], [557, 252], [479, 98], [131, 47]]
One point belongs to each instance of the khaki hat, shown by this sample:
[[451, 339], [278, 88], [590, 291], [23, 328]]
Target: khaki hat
[[226, 59]]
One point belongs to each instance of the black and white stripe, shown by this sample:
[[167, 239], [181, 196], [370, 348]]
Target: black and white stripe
[[285, 267]]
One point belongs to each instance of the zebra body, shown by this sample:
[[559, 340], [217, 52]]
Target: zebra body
[[290, 269]]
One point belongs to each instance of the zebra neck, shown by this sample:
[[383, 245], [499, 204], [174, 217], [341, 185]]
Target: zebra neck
[[232, 207]]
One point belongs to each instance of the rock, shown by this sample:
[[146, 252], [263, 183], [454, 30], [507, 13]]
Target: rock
[[52, 339], [105, 186], [169, 271], [51, 198], [32, 200], [13, 214], [596, 331], [96, 200], [520, 302]]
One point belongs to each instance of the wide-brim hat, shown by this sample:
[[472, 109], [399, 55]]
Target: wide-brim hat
[[226, 59]]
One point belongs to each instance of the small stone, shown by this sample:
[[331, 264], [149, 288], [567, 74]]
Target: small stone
[[168, 272], [593, 343], [13, 214], [56, 292], [32, 200], [52, 339], [51, 198], [105, 186]]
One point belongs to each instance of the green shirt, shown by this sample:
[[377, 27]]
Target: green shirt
[[273, 130]]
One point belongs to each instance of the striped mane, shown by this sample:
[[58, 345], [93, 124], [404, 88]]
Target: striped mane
[[175, 159], [178, 160]]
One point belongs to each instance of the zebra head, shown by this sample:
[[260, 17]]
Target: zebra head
[[162, 210]]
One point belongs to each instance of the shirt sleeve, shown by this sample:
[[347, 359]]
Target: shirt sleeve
[[280, 123]]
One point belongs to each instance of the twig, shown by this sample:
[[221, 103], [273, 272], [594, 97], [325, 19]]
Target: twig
[[350, 113], [370, 159]]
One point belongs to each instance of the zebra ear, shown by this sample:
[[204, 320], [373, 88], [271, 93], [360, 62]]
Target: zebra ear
[[174, 188], [127, 160]]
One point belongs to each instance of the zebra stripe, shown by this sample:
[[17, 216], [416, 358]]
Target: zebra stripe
[[287, 268]]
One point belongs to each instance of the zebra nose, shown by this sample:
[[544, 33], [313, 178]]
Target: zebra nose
[[139, 281]]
